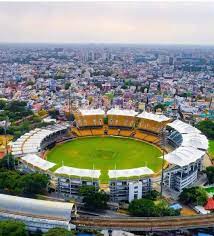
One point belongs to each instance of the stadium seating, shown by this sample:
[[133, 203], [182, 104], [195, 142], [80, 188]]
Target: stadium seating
[[113, 132], [121, 121], [97, 131], [140, 135], [76, 131], [85, 132], [126, 133], [150, 125]]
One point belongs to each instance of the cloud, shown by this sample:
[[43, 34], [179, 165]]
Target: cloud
[[136, 22]]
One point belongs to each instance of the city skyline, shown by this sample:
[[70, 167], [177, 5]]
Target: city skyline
[[107, 22]]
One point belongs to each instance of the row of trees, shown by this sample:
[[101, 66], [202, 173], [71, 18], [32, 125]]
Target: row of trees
[[148, 208], [206, 127], [14, 110], [93, 199], [210, 174], [194, 196], [14, 182], [16, 228]]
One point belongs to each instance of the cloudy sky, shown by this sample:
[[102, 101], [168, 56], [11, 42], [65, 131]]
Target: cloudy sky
[[107, 22]]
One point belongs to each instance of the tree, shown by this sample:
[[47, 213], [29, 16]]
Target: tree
[[34, 183], [147, 208], [67, 85], [13, 182], [159, 105], [195, 196], [2, 104], [59, 232], [142, 207], [54, 113], [86, 190], [152, 195], [12, 228], [94, 200], [206, 127], [210, 174]]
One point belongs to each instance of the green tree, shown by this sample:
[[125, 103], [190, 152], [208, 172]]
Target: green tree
[[210, 174], [54, 113], [195, 196], [13, 182], [159, 105], [206, 127], [86, 190], [147, 208], [12, 228], [34, 183], [59, 232], [67, 85], [94, 200], [2, 104], [152, 195], [142, 207]]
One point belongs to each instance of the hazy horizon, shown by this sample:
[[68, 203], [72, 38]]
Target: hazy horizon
[[133, 23]]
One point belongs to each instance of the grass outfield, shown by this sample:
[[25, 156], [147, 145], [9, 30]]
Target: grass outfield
[[105, 153], [211, 148]]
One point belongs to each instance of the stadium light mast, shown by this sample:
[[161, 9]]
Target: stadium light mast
[[5, 135], [69, 105], [162, 172], [163, 160]]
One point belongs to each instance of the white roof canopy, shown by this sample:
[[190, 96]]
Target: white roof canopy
[[130, 172], [37, 161], [118, 112], [92, 112], [183, 156], [65, 170], [195, 140], [30, 142], [152, 116], [183, 127]]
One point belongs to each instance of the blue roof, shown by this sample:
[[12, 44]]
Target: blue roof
[[176, 206]]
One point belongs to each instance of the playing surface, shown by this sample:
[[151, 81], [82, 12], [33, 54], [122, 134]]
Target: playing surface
[[106, 153]]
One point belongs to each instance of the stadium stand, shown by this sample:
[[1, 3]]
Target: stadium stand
[[121, 118], [97, 131], [89, 118], [152, 122]]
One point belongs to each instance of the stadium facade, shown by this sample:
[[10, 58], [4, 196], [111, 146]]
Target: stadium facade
[[187, 149]]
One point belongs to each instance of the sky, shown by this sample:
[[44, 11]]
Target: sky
[[107, 22]]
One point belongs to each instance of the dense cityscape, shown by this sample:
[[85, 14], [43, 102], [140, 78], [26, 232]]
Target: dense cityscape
[[106, 118], [130, 77]]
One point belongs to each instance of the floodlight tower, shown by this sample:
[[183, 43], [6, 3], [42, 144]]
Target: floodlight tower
[[70, 100], [162, 143]]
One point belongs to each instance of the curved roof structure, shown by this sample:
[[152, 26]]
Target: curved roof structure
[[119, 112], [34, 207], [195, 140], [66, 170], [86, 112], [37, 161], [183, 128], [31, 142], [130, 172], [183, 156], [154, 117]]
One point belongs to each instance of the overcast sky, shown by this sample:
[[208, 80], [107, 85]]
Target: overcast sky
[[106, 22]]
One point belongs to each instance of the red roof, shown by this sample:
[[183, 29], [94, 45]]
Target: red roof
[[210, 204]]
